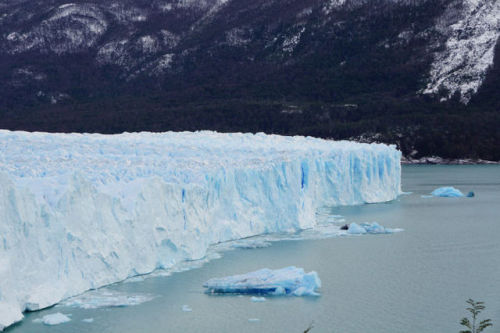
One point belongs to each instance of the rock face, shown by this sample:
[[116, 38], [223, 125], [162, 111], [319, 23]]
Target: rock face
[[471, 28], [68, 66]]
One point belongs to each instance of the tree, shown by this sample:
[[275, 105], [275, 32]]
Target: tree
[[475, 308]]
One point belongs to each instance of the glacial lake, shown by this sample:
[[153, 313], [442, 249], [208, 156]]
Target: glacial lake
[[414, 281]]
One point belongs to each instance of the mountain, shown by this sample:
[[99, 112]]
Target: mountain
[[423, 74]]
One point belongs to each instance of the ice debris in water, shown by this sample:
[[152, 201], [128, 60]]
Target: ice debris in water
[[285, 281], [447, 191], [53, 319], [258, 299], [103, 298], [88, 320], [253, 320], [186, 308], [370, 228], [250, 244], [450, 192]]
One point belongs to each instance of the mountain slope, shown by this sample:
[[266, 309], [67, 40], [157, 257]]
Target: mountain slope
[[419, 73]]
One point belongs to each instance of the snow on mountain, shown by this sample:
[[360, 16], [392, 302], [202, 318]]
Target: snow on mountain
[[472, 28], [80, 211], [69, 28], [136, 36]]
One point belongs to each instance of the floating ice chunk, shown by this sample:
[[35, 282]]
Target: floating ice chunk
[[356, 229], [53, 319], [250, 244], [253, 320], [88, 320], [285, 281], [370, 228], [447, 191], [258, 299], [103, 298], [186, 308]]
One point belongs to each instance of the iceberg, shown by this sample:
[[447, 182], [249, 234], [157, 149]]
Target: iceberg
[[258, 299], [285, 281], [53, 319], [448, 192], [369, 228], [82, 211]]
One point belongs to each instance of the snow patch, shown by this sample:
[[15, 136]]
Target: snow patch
[[291, 42], [469, 50]]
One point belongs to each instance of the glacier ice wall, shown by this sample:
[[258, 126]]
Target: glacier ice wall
[[472, 32], [79, 211]]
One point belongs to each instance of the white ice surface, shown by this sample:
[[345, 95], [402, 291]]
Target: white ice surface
[[285, 281], [257, 299], [53, 319], [80, 211]]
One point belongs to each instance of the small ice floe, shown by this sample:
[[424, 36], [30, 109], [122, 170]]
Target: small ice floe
[[250, 244], [104, 298], [53, 319], [258, 299], [370, 228], [285, 281], [450, 192], [88, 320], [253, 320], [186, 308]]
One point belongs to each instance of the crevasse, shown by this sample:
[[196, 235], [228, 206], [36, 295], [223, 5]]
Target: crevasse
[[79, 211]]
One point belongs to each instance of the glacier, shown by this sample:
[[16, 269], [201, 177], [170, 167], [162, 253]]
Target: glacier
[[81, 211], [285, 281]]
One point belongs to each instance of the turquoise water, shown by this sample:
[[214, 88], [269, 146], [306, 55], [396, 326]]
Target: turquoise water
[[413, 281]]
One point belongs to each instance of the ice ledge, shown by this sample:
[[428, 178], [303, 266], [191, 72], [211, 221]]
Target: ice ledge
[[80, 211]]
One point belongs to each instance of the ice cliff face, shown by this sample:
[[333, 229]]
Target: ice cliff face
[[80, 211], [472, 29]]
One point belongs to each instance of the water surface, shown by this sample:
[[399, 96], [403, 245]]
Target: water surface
[[413, 281]]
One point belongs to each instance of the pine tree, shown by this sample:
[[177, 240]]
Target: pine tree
[[475, 308]]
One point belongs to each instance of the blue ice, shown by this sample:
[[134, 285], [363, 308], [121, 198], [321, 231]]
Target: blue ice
[[285, 281], [369, 228], [447, 191]]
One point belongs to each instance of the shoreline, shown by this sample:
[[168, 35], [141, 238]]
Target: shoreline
[[430, 160]]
